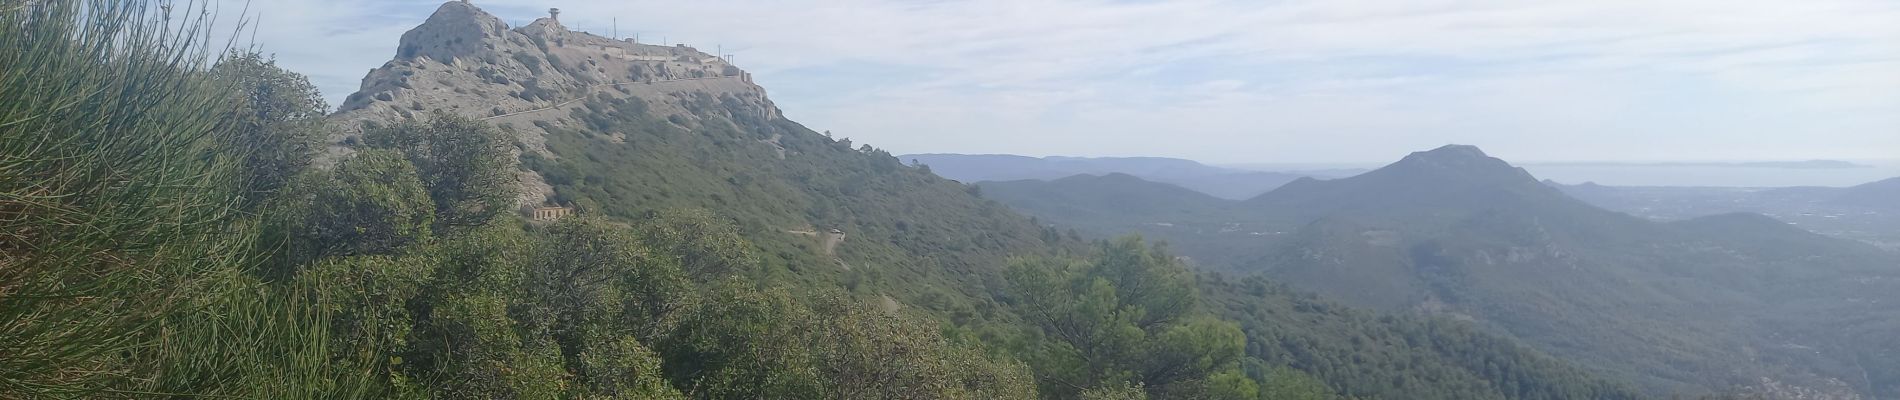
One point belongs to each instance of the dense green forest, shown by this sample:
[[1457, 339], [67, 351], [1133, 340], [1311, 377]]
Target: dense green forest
[[166, 231]]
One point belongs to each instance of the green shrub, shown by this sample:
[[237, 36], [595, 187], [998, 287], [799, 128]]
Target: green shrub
[[527, 60], [117, 187], [467, 166], [245, 339], [372, 203], [279, 121]]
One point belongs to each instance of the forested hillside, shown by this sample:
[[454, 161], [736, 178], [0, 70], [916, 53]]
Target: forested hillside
[[1731, 303], [179, 221]]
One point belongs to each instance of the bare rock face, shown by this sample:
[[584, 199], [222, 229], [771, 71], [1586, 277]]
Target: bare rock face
[[465, 61], [456, 29]]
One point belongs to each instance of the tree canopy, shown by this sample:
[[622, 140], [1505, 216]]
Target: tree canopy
[[1125, 317]]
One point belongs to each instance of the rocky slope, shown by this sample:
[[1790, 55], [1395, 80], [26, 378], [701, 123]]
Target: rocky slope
[[622, 130], [468, 62]]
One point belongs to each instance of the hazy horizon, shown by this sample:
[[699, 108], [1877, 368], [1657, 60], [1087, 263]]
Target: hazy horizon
[[1360, 163], [1238, 82], [1619, 173]]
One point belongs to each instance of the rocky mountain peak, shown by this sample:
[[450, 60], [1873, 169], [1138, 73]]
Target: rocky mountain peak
[[469, 62], [544, 27], [530, 79], [457, 29]]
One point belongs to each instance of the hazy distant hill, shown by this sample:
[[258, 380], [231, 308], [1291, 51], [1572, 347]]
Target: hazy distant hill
[[1711, 303], [1884, 194], [1215, 181], [1424, 184], [1869, 212], [1100, 197], [1807, 164]]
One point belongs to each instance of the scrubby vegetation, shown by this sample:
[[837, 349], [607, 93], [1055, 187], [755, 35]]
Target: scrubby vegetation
[[989, 274], [165, 238], [120, 197], [163, 233]]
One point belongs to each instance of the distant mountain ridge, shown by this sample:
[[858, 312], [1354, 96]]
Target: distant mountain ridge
[[1449, 176], [1868, 212], [1219, 182], [1714, 303], [1881, 194], [1807, 164], [1098, 197]]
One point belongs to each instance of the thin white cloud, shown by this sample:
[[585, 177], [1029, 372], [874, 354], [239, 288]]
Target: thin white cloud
[[1252, 81]]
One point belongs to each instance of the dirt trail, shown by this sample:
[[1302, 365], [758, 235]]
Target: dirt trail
[[829, 242]]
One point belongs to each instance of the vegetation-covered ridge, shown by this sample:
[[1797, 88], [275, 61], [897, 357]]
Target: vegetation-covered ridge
[[166, 230], [1727, 303], [622, 159]]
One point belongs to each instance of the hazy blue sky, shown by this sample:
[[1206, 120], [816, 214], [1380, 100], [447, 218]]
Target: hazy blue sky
[[1253, 80]]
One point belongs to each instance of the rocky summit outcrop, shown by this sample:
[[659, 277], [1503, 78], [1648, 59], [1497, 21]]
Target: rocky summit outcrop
[[527, 79]]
